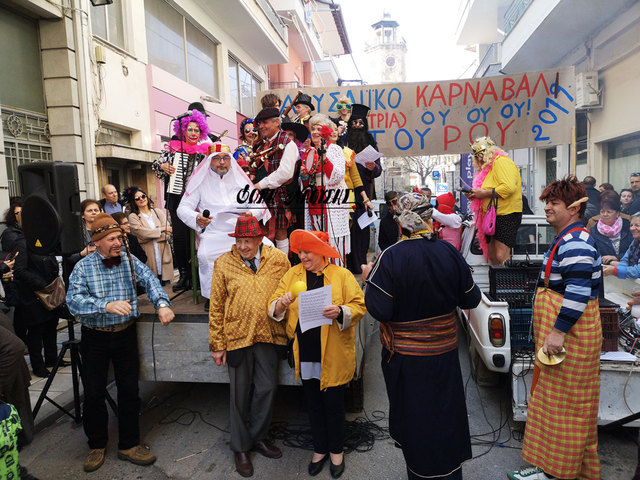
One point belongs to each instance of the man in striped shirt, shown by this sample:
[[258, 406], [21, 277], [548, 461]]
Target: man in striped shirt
[[561, 436]]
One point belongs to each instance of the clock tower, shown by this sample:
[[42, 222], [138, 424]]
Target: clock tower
[[387, 52]]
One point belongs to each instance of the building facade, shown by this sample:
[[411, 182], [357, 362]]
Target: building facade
[[601, 41], [98, 86]]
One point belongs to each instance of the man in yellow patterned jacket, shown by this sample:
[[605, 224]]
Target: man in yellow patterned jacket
[[243, 338]]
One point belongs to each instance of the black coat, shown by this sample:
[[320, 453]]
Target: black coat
[[136, 249], [34, 272], [389, 232]]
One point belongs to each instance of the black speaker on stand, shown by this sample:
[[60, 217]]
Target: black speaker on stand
[[52, 225], [51, 217]]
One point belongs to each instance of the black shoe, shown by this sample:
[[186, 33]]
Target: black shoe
[[316, 467], [184, 282], [337, 470], [63, 364], [206, 306], [41, 372]]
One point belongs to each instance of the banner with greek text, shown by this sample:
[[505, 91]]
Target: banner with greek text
[[533, 109]]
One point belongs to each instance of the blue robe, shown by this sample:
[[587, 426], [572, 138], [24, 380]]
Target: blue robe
[[416, 279]]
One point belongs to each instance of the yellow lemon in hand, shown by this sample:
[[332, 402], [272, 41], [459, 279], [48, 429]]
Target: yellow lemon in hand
[[298, 287]]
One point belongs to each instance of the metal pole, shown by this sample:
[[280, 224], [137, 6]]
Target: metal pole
[[194, 267], [573, 151]]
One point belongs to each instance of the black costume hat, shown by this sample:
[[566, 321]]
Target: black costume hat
[[358, 111], [266, 113], [302, 132], [199, 107], [304, 99]]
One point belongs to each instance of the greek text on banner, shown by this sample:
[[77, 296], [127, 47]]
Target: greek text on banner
[[533, 109]]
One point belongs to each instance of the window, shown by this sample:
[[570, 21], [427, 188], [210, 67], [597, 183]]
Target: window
[[109, 134], [107, 23], [624, 158], [177, 46], [244, 88]]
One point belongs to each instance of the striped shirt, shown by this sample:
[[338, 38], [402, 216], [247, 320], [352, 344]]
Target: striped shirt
[[575, 274], [92, 285]]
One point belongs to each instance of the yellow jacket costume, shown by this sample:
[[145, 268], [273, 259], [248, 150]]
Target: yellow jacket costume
[[337, 342], [236, 316], [505, 178]]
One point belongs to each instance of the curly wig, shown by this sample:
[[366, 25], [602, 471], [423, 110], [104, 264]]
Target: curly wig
[[569, 190], [180, 126]]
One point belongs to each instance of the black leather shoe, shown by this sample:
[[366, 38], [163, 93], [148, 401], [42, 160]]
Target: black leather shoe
[[41, 372], [316, 467], [206, 306], [337, 470]]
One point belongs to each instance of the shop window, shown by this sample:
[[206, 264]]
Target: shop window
[[107, 22], [624, 159], [21, 78]]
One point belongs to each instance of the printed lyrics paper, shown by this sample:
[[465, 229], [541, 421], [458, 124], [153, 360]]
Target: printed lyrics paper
[[310, 306]]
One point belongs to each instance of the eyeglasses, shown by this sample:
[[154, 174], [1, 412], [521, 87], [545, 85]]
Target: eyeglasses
[[250, 130], [636, 174], [340, 106], [392, 202], [141, 197], [218, 158]]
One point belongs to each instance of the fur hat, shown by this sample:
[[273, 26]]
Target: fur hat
[[103, 225]]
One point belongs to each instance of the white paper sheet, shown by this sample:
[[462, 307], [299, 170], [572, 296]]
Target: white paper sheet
[[369, 154], [310, 306], [365, 220], [618, 357]]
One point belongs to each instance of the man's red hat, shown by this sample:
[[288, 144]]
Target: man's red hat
[[247, 227]]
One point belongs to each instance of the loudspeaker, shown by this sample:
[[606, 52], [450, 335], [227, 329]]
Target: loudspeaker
[[51, 217]]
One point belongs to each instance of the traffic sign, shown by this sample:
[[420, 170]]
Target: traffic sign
[[441, 188], [435, 175]]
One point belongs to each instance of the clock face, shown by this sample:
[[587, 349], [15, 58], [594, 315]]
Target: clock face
[[391, 61]]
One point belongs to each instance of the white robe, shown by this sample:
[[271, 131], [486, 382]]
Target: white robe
[[219, 196]]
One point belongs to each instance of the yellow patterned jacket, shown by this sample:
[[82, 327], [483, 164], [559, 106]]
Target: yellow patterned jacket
[[337, 342], [237, 316]]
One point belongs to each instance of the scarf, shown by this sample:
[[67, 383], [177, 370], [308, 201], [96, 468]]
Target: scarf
[[174, 146], [476, 205], [610, 231], [634, 253]]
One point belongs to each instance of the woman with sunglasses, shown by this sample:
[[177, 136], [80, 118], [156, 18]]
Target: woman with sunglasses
[[344, 108], [153, 230], [248, 133]]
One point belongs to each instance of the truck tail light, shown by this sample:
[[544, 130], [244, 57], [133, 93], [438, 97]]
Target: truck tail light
[[496, 330]]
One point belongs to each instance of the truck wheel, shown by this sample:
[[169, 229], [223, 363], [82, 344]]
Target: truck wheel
[[354, 395], [479, 371]]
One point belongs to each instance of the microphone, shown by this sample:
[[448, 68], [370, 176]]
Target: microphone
[[206, 213], [188, 113]]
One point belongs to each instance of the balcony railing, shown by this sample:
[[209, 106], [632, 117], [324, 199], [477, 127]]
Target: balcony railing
[[277, 85], [514, 12], [274, 19]]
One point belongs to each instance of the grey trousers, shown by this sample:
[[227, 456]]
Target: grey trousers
[[250, 414]]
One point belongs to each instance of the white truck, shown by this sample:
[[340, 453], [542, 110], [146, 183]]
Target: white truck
[[499, 330]]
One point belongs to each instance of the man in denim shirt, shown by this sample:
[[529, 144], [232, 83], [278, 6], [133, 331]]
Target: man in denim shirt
[[102, 297]]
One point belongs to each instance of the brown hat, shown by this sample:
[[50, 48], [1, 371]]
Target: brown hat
[[103, 225], [266, 113]]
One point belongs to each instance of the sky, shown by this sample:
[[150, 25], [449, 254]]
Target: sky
[[428, 27]]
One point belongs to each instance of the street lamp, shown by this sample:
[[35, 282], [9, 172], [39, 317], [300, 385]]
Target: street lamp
[[101, 3]]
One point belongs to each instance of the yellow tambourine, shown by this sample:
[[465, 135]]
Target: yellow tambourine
[[554, 359]]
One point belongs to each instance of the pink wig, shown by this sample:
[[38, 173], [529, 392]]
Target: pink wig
[[180, 128]]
